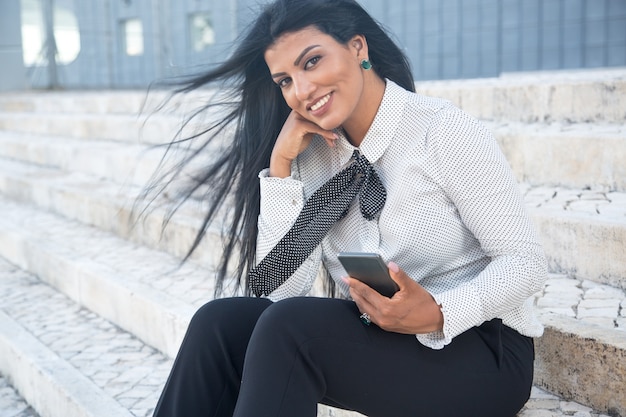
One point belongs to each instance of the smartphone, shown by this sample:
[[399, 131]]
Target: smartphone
[[370, 269]]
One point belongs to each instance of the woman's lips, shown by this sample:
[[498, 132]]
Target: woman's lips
[[321, 105]]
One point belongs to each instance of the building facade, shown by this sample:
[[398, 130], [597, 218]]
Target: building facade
[[133, 43]]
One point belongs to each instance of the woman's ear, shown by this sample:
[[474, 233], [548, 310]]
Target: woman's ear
[[359, 44]]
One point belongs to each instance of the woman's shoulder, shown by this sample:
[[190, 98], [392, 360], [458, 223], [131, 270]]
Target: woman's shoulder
[[428, 103], [418, 106], [416, 101], [438, 110]]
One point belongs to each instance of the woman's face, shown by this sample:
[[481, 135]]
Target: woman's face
[[320, 79]]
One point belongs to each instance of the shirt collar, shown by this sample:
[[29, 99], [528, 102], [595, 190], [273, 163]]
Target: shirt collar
[[383, 128]]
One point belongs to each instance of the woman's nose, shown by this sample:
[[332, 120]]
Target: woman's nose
[[303, 88]]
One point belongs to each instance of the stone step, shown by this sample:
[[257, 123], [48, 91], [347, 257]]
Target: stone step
[[68, 362], [92, 267], [122, 163], [110, 207], [579, 96], [11, 403], [128, 102], [154, 294], [596, 95], [575, 155], [593, 157], [584, 342], [98, 102], [124, 128], [583, 230]]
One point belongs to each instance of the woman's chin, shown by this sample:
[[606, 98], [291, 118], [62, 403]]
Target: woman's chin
[[328, 124]]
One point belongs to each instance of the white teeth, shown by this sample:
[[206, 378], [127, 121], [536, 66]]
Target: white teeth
[[320, 103]]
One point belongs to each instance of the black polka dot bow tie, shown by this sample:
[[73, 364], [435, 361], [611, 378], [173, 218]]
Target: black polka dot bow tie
[[324, 208]]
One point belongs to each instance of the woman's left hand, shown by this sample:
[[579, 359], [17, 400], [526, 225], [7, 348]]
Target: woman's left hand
[[412, 310]]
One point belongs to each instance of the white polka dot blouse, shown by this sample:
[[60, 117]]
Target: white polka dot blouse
[[454, 218]]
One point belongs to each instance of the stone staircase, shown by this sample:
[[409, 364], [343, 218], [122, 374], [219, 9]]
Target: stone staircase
[[94, 305]]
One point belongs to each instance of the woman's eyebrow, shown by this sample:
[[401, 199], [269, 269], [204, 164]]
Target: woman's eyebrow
[[303, 53], [298, 59]]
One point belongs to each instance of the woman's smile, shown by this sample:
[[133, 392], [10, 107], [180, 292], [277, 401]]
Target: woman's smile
[[319, 107]]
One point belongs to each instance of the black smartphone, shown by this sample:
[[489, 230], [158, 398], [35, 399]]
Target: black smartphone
[[370, 269]]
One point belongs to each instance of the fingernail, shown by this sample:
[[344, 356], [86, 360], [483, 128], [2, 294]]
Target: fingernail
[[393, 266], [345, 279], [336, 135]]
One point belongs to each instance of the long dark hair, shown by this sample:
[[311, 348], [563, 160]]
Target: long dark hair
[[257, 111]]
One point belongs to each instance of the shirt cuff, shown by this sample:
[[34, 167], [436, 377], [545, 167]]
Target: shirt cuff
[[284, 195], [461, 308]]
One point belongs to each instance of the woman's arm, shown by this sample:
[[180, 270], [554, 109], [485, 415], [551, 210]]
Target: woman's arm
[[475, 176], [282, 200], [479, 181]]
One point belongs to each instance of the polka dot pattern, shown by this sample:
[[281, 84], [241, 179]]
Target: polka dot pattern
[[454, 218], [326, 206]]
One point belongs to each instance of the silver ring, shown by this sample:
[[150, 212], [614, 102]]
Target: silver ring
[[366, 319]]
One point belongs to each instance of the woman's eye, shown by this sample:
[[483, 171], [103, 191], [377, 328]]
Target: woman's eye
[[311, 62], [283, 82]]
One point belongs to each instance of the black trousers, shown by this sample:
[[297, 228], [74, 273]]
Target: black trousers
[[249, 357]]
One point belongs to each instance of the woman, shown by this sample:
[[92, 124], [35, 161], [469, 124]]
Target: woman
[[325, 91]]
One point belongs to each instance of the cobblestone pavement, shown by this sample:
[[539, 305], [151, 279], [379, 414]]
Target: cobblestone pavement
[[544, 404], [594, 202], [122, 366], [11, 404], [584, 300]]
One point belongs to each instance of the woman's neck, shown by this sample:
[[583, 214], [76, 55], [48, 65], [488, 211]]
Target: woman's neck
[[357, 126]]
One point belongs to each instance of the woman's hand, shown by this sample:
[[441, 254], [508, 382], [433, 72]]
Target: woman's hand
[[294, 138], [412, 310]]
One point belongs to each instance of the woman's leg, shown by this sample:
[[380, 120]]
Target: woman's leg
[[309, 350], [206, 375]]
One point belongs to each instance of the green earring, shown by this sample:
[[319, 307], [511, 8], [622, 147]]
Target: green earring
[[365, 64]]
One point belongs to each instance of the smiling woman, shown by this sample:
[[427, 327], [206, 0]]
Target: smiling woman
[[335, 152]]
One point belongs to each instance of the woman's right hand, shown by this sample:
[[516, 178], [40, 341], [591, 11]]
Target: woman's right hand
[[295, 136]]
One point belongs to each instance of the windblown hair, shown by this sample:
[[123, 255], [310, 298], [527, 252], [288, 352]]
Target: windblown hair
[[257, 111]]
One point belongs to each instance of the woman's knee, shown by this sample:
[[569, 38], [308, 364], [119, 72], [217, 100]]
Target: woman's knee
[[227, 313], [285, 313], [301, 317]]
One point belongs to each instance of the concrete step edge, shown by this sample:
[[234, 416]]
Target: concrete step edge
[[133, 163], [570, 238], [121, 162], [133, 102], [546, 94], [576, 156], [535, 152], [62, 260], [572, 96], [574, 356], [122, 128], [13, 404], [50, 385], [81, 101], [127, 374], [109, 207], [597, 253]]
